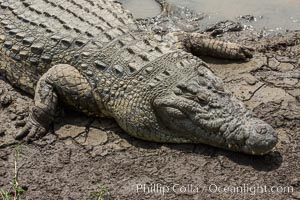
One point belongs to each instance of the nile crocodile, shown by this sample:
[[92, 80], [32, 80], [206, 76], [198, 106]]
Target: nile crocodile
[[93, 56]]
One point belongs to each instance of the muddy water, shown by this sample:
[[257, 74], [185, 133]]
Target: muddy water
[[269, 14], [142, 8]]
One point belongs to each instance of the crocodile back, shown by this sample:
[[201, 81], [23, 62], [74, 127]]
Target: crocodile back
[[37, 34]]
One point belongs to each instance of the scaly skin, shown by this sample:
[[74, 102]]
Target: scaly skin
[[93, 56]]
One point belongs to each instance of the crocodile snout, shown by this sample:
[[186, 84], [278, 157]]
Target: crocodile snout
[[262, 137]]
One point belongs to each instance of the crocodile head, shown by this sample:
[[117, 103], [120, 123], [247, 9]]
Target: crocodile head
[[200, 110]]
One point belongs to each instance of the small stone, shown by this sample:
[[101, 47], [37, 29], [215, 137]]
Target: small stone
[[285, 67], [69, 131], [95, 137], [251, 80]]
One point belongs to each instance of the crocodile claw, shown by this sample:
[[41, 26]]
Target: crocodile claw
[[32, 130]]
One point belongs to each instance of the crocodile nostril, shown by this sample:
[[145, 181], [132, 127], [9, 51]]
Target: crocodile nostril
[[262, 137], [262, 130]]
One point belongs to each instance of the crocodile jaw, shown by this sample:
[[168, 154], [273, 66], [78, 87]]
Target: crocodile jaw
[[242, 133], [201, 110]]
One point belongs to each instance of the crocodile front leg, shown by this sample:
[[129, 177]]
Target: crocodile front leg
[[202, 45], [60, 83]]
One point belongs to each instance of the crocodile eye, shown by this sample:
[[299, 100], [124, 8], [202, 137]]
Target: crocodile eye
[[203, 98], [175, 113]]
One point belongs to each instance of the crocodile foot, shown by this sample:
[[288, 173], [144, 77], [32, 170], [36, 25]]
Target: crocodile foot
[[32, 130], [73, 88], [202, 45]]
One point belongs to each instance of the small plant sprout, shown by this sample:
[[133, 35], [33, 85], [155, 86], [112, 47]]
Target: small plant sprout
[[14, 193], [102, 193]]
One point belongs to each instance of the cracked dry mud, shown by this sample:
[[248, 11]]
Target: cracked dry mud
[[83, 152]]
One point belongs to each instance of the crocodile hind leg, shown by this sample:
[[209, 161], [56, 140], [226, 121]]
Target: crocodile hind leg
[[61, 83], [202, 45]]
